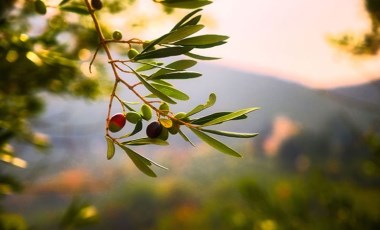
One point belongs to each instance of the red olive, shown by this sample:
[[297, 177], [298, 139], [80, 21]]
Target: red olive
[[117, 122]]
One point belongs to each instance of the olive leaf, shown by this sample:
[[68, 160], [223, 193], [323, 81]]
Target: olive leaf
[[181, 33], [175, 66], [205, 119], [211, 101], [200, 57], [185, 18], [162, 53], [138, 128], [230, 134], [171, 92], [185, 4], [230, 116], [215, 143], [202, 40], [183, 135], [110, 148], [176, 75], [146, 141]]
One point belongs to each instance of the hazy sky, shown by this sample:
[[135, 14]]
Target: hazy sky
[[288, 39]]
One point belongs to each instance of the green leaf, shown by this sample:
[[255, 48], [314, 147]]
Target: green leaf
[[146, 141], [175, 66], [154, 90], [148, 66], [200, 57], [63, 2], [209, 45], [230, 134], [185, 18], [177, 75], [110, 148], [171, 92], [138, 128], [203, 120], [230, 116], [183, 135], [140, 161], [215, 143], [162, 53], [185, 4], [211, 101], [75, 9], [193, 21], [181, 33], [202, 40]]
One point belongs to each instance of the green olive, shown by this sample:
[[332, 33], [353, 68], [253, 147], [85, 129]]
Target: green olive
[[164, 135], [174, 129], [133, 117], [117, 35], [164, 108], [146, 112], [132, 53], [40, 7]]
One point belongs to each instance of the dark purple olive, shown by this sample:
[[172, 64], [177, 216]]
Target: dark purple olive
[[97, 4], [154, 129]]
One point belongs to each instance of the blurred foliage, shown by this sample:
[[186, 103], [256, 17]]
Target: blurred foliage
[[369, 42]]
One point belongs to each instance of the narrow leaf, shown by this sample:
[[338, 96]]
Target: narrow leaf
[[211, 101], [175, 66], [184, 19], [183, 135], [146, 160], [203, 120], [171, 92], [148, 66], [162, 53], [177, 75], [154, 90], [63, 2], [110, 148], [146, 141], [181, 33], [193, 21], [75, 9], [200, 57], [230, 134], [215, 143], [138, 128], [185, 4], [202, 40], [140, 162], [230, 116]]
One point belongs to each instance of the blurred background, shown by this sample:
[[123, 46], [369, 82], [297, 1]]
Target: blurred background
[[312, 67]]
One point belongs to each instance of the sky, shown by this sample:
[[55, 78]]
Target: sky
[[288, 39]]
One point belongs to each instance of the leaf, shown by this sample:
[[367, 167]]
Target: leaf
[[202, 40], [181, 33], [200, 57], [146, 141], [138, 128], [185, 18], [177, 75], [125, 103], [140, 161], [148, 66], [171, 92], [162, 53], [230, 134], [203, 120], [154, 90], [209, 45], [211, 101], [175, 66], [230, 116], [193, 21], [183, 135], [215, 143], [110, 148], [75, 9], [185, 4], [63, 2]]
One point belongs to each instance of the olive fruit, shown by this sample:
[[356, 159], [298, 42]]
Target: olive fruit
[[133, 117], [164, 108], [97, 4], [117, 122], [40, 7], [164, 135], [132, 53], [182, 116], [153, 130], [117, 35], [146, 112]]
